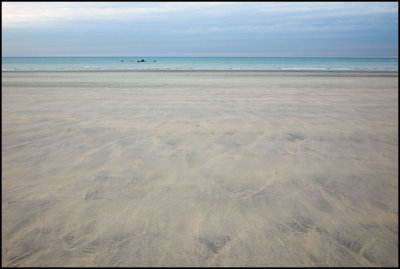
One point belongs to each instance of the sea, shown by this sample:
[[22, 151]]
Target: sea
[[199, 63]]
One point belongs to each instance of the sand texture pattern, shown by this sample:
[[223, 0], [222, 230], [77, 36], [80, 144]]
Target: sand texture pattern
[[199, 168]]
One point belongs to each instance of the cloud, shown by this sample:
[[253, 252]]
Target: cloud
[[23, 12], [329, 8], [26, 12], [196, 17], [111, 25], [18, 13]]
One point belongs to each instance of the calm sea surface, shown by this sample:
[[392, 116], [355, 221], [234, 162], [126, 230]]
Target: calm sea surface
[[198, 63]]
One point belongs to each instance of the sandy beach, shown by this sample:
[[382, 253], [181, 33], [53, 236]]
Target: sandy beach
[[197, 168]]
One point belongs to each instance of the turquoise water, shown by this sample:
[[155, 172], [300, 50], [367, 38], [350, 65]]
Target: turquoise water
[[198, 63]]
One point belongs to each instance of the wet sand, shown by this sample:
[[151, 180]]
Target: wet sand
[[199, 169]]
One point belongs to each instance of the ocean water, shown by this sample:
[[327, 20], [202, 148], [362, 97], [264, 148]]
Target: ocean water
[[198, 63]]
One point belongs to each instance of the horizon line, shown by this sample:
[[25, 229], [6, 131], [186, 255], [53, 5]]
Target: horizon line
[[199, 57]]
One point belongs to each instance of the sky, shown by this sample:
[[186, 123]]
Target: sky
[[200, 29]]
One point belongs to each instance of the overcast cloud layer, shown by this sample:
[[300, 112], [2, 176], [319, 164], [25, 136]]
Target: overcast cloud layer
[[299, 29]]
